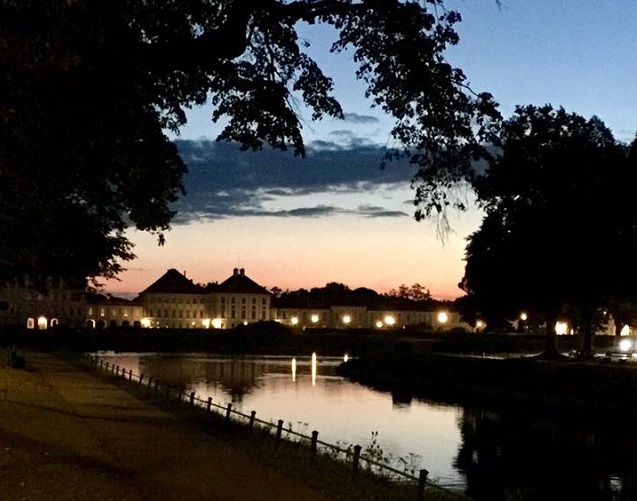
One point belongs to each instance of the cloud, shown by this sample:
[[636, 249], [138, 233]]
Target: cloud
[[224, 181], [360, 119]]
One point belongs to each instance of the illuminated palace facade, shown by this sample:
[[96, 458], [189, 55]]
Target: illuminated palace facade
[[174, 301]]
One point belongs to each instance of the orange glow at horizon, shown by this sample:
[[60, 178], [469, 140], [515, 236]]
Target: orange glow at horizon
[[303, 254]]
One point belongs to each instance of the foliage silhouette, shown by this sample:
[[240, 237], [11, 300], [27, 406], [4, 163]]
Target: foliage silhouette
[[89, 89]]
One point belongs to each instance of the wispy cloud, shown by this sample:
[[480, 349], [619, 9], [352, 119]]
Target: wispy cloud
[[360, 119], [225, 182]]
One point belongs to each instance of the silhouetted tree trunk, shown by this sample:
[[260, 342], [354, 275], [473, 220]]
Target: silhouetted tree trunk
[[551, 351], [586, 350]]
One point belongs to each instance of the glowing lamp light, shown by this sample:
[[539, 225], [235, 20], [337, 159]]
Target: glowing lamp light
[[345, 357], [561, 328], [294, 320], [379, 324], [216, 323], [145, 322], [625, 345], [206, 323], [443, 317], [479, 324], [625, 331], [42, 322], [347, 319], [315, 318], [523, 316], [389, 320]]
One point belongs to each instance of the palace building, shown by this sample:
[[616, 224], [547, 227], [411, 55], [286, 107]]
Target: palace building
[[175, 302]]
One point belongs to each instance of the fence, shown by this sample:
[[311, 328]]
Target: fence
[[352, 455]]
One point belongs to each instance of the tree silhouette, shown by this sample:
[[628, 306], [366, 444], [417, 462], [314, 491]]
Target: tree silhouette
[[88, 89], [559, 229]]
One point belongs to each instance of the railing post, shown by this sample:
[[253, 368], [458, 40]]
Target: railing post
[[141, 378], [192, 398], [106, 366], [101, 363], [252, 416], [117, 370], [179, 395], [422, 481], [209, 404], [314, 444], [130, 374], [279, 428], [357, 458]]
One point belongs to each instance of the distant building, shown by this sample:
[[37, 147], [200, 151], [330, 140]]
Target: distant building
[[108, 311], [174, 301], [237, 300], [21, 303], [356, 316]]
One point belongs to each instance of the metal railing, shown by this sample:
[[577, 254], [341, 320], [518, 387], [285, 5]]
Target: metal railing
[[352, 455]]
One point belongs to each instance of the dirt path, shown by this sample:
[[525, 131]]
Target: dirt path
[[68, 435]]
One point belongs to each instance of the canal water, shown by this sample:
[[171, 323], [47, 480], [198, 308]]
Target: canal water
[[512, 454]]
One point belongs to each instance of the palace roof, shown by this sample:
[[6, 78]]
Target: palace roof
[[173, 282]]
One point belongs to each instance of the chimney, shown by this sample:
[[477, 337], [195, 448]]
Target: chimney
[[242, 271], [235, 271]]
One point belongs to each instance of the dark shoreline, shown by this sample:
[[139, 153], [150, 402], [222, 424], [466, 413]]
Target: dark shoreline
[[426, 365], [515, 382]]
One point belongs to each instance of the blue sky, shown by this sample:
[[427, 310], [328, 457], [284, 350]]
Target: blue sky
[[335, 216]]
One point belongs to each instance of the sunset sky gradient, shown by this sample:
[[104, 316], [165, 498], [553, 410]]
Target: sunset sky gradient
[[336, 216]]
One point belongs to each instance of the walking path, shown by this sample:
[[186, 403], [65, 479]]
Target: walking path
[[68, 435]]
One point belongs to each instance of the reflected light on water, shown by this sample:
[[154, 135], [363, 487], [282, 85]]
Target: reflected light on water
[[313, 369], [342, 411]]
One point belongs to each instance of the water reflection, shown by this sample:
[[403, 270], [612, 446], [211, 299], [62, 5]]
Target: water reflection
[[519, 454], [514, 454], [313, 369]]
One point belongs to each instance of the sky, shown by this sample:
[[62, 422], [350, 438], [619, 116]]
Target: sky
[[336, 216]]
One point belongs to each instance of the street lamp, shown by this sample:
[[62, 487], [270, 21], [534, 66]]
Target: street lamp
[[443, 317], [561, 328]]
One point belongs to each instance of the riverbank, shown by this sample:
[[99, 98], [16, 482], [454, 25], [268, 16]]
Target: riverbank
[[69, 434]]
